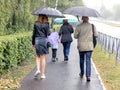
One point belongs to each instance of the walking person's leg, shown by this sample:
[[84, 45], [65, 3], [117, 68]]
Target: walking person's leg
[[43, 63], [64, 48], [67, 49], [88, 65], [37, 65], [56, 55], [54, 51], [81, 55], [53, 54]]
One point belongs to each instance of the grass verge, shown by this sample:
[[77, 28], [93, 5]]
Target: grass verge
[[109, 72], [11, 80]]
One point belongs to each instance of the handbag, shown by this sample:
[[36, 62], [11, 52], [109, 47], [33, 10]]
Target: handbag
[[94, 37], [48, 44]]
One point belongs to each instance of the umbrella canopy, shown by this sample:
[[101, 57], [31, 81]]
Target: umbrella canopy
[[53, 38], [70, 18], [50, 12], [82, 11]]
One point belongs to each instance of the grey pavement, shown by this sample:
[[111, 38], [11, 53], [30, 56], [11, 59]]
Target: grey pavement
[[61, 75]]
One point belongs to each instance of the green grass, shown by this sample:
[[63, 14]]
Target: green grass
[[11, 79], [109, 72]]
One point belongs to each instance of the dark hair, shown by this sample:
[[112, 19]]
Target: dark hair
[[65, 20]]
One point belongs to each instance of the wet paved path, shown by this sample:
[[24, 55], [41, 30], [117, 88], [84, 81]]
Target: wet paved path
[[61, 75]]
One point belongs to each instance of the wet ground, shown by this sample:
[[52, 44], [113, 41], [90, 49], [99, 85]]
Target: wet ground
[[62, 75]]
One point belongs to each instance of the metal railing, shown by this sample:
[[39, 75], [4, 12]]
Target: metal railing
[[110, 44]]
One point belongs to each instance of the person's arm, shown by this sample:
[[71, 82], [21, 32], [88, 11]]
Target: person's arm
[[33, 36], [95, 32], [71, 30], [76, 33], [60, 32], [58, 39], [48, 30]]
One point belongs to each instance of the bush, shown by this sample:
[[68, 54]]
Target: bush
[[14, 49]]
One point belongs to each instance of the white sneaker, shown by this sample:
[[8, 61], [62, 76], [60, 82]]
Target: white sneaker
[[37, 73], [43, 76]]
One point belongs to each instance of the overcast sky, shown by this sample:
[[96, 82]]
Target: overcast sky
[[98, 3]]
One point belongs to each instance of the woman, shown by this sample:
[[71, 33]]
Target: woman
[[65, 33], [39, 42]]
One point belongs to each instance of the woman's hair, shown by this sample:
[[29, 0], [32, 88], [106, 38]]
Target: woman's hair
[[42, 18]]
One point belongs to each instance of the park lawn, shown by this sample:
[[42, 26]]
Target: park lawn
[[109, 72], [11, 79]]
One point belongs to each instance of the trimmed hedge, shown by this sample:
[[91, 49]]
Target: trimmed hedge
[[14, 49]]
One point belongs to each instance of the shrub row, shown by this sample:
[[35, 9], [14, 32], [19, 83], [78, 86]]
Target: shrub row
[[14, 49]]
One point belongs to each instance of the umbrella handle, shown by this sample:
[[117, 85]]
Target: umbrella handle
[[78, 18]]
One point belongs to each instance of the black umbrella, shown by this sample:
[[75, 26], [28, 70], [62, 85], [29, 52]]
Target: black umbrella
[[82, 11], [50, 12]]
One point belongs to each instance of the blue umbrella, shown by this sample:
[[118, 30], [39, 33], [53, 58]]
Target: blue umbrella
[[70, 18]]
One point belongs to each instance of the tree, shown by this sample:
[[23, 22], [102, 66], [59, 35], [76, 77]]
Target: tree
[[69, 3], [63, 4]]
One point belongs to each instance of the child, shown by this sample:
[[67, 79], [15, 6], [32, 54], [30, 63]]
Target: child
[[54, 40]]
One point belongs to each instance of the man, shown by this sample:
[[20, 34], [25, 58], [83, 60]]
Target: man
[[84, 35]]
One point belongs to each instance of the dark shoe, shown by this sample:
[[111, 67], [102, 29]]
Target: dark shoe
[[88, 79], [66, 58], [81, 75]]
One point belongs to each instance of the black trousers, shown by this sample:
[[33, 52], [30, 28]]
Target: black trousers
[[54, 53]]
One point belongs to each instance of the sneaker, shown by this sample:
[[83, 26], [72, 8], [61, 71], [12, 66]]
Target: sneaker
[[43, 76], [53, 60], [37, 73], [56, 59]]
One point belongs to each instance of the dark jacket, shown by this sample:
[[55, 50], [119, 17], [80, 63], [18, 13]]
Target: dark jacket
[[40, 30], [65, 32]]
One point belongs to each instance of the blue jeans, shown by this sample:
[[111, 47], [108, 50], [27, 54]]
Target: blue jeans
[[66, 48], [85, 55]]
